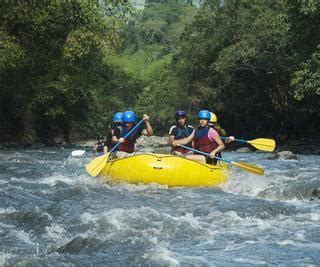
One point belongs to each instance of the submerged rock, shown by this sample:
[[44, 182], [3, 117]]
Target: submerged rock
[[315, 194], [283, 155]]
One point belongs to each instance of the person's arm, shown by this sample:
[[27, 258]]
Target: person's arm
[[114, 139], [172, 134], [148, 131], [229, 139], [214, 136], [171, 140], [184, 141], [116, 136]]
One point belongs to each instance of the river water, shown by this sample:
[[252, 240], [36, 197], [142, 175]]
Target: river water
[[52, 213]]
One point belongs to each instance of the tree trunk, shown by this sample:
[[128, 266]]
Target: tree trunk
[[29, 134]]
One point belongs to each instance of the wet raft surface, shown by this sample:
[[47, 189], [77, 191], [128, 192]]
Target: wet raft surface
[[53, 213]]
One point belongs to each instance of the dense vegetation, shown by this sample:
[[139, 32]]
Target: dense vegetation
[[66, 66]]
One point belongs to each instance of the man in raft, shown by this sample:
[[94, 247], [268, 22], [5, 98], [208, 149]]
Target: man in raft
[[116, 124], [179, 131], [99, 146], [205, 139], [222, 132], [126, 148]]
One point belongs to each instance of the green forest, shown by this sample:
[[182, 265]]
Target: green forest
[[67, 66]]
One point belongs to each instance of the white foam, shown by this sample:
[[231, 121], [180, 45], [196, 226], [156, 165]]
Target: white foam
[[162, 255], [286, 242], [72, 180], [4, 257], [246, 184], [14, 179], [315, 216], [233, 247], [300, 236], [55, 232], [7, 210], [52, 180], [191, 220], [87, 218], [248, 261], [23, 236]]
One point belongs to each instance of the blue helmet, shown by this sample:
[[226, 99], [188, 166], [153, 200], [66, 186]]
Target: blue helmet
[[204, 114], [117, 117], [180, 113], [128, 116]]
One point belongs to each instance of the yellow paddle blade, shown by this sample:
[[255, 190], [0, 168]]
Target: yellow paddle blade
[[248, 167], [96, 165], [263, 144]]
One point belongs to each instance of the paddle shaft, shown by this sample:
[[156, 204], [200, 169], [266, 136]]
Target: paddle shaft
[[242, 165], [238, 140], [203, 153], [130, 132]]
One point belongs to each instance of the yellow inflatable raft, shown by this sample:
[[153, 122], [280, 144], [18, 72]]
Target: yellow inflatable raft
[[164, 169]]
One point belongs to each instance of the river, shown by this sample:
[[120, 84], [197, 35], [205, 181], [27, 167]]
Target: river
[[52, 213]]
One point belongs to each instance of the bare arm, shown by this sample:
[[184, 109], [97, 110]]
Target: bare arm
[[220, 147], [184, 141], [171, 140], [148, 131], [229, 139]]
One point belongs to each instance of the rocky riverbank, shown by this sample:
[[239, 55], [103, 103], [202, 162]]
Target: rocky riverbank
[[160, 144]]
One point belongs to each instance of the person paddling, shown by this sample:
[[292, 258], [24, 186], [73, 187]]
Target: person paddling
[[126, 148], [179, 131], [116, 124], [215, 125], [99, 146], [205, 139]]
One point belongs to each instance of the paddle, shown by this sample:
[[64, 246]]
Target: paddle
[[97, 164], [260, 143], [244, 166]]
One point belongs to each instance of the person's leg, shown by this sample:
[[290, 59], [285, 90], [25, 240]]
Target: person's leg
[[197, 158], [215, 161], [177, 153], [122, 154]]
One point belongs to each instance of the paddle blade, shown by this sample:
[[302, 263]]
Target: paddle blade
[[263, 144], [249, 168], [97, 164]]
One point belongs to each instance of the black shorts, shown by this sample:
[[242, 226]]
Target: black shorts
[[209, 160], [213, 161]]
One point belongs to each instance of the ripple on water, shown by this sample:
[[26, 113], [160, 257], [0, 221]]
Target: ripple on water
[[57, 215]]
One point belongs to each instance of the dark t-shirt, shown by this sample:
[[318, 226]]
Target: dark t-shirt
[[174, 130], [109, 137]]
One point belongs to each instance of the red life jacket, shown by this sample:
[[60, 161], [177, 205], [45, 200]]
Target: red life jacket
[[128, 144], [202, 141]]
